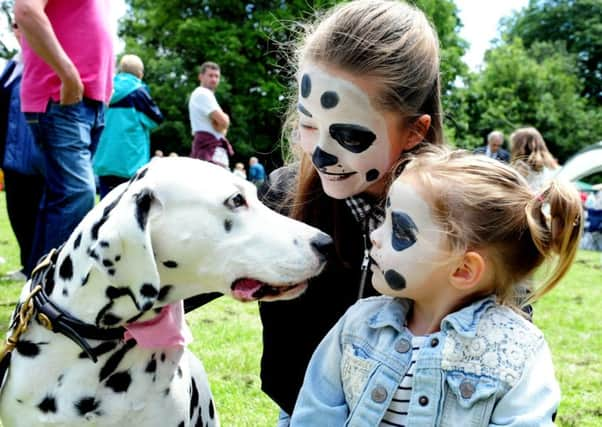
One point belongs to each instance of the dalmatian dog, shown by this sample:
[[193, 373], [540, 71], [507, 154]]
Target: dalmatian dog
[[181, 227]]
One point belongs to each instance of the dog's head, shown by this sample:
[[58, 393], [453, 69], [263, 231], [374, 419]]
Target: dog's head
[[183, 227]]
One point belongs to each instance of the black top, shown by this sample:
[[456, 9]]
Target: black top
[[293, 329]]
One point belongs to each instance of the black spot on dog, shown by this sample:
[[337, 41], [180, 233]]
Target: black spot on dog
[[199, 421], [151, 366], [86, 404], [211, 409], [77, 240], [111, 364], [305, 86], [96, 226], [65, 292], [27, 348], [110, 319], [170, 264], [388, 202], [179, 371], [85, 279], [104, 244], [181, 424], [329, 99], [47, 405], [119, 382], [228, 225], [117, 258], [99, 350], [194, 396], [107, 262], [143, 203], [166, 392], [66, 268], [59, 380], [113, 292], [372, 175], [162, 357], [395, 280], [149, 291], [111, 271], [139, 175], [92, 253], [164, 291]]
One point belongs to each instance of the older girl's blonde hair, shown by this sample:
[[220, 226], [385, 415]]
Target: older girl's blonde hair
[[529, 148], [484, 204]]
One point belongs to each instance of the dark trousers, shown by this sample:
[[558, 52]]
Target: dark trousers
[[23, 195], [108, 182]]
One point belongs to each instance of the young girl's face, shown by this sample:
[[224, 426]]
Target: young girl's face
[[351, 144], [407, 252]]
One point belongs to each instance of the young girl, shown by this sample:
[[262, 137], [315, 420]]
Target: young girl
[[368, 91], [447, 345], [530, 156]]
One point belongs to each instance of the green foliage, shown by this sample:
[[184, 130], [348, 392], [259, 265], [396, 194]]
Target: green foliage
[[576, 24], [248, 40], [535, 87]]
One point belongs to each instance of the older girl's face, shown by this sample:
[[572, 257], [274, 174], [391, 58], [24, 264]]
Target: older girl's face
[[352, 145]]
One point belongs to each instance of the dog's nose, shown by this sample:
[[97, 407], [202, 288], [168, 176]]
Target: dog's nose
[[322, 245]]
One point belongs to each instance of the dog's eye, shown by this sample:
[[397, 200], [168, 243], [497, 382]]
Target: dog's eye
[[236, 201]]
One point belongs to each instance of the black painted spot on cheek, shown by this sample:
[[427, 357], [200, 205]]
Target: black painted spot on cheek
[[47, 405], [305, 86], [329, 99], [66, 268], [303, 110], [119, 382], [395, 280], [372, 175]]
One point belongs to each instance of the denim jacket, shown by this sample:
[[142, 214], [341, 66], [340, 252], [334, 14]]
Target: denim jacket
[[487, 366]]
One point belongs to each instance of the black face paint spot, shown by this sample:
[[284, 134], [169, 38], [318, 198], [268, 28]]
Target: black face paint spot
[[143, 204], [149, 291], [27, 348], [86, 404], [305, 86], [395, 280], [66, 268], [119, 382], [354, 138], [404, 231], [47, 405], [303, 110], [164, 291], [372, 175], [77, 241], [329, 99], [170, 264], [322, 159], [228, 225]]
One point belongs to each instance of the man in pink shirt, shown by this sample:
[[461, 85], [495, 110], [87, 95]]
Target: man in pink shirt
[[67, 80]]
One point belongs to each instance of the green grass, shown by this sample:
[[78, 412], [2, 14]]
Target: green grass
[[227, 338]]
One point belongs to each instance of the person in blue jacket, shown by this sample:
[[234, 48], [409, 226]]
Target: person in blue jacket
[[22, 163], [124, 145]]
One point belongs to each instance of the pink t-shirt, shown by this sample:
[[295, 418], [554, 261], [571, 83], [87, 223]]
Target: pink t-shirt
[[82, 28]]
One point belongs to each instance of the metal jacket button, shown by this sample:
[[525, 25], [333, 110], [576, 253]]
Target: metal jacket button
[[379, 394], [467, 389], [434, 342], [423, 400], [403, 346]]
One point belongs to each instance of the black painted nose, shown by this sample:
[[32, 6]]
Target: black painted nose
[[322, 245], [323, 159]]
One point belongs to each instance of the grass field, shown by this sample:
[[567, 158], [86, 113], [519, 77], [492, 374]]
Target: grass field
[[228, 340]]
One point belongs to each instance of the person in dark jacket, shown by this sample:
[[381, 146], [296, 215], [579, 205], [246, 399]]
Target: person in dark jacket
[[494, 147], [125, 142], [368, 92], [22, 163]]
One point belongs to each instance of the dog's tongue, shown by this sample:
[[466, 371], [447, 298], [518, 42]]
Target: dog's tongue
[[244, 289], [168, 329]]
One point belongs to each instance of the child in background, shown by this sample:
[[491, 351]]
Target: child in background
[[448, 344]]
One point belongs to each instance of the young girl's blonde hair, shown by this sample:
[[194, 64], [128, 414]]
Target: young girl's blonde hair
[[528, 146], [483, 204]]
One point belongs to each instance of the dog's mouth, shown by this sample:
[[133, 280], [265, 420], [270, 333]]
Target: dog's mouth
[[253, 290]]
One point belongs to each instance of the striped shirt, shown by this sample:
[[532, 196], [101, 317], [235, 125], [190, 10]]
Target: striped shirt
[[397, 413]]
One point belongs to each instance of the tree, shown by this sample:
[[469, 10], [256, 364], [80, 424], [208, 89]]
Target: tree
[[576, 24], [174, 36]]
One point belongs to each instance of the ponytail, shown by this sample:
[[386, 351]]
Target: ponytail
[[555, 219]]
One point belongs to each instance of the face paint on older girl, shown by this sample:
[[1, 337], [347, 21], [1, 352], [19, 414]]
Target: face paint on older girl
[[345, 136], [407, 246]]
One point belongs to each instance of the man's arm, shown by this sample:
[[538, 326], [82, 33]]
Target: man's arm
[[220, 121], [40, 36]]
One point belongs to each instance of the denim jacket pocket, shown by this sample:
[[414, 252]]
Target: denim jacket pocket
[[468, 399], [356, 369]]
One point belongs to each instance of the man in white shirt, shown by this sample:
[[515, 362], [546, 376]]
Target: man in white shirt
[[208, 122]]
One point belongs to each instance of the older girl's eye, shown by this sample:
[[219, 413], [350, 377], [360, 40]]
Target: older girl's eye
[[307, 127]]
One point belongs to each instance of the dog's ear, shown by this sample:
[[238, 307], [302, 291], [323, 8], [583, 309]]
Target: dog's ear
[[123, 248]]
